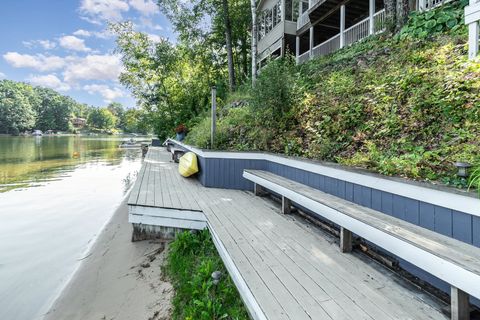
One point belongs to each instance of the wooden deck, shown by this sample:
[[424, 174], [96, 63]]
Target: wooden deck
[[283, 267]]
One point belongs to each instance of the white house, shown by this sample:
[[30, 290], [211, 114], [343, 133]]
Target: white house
[[309, 28]]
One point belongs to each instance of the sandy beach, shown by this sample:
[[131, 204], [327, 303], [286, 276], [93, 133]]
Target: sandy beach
[[117, 280]]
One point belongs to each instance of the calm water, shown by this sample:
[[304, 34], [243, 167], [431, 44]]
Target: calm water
[[56, 194]]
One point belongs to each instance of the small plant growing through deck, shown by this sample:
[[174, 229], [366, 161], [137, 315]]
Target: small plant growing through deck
[[474, 180], [191, 261]]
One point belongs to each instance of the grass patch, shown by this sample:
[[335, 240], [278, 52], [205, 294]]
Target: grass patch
[[191, 260]]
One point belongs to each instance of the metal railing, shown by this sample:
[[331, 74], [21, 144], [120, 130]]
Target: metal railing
[[425, 5], [357, 32], [303, 57], [353, 34], [327, 47], [303, 20], [379, 20], [314, 2]]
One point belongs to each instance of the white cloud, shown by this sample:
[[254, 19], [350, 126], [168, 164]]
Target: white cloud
[[93, 67], [148, 23], [82, 33], [108, 94], [2, 75], [103, 9], [73, 43], [45, 44], [154, 37], [145, 7], [105, 34], [49, 81], [38, 62]]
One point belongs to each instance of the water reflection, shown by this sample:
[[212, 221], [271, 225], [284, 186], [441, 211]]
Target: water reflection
[[26, 161], [61, 191]]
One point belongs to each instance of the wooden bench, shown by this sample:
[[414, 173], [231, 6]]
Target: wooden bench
[[448, 259]]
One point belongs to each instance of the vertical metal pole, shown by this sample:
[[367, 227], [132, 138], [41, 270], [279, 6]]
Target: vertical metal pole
[[372, 16], [473, 33], [311, 41], [214, 117], [342, 26], [473, 39], [297, 47]]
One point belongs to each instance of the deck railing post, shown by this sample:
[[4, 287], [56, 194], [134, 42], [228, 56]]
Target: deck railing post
[[371, 8], [472, 19], [345, 240], [297, 47], [342, 26], [459, 304], [311, 41]]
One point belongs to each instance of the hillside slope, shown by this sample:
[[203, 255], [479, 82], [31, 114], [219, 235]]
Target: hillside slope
[[407, 105]]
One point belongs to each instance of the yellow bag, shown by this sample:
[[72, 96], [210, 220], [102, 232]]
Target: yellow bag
[[188, 164]]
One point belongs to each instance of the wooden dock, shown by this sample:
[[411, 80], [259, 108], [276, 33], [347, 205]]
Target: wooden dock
[[282, 267]]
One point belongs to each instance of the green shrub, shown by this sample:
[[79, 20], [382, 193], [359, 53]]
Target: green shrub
[[191, 260], [408, 107], [448, 17]]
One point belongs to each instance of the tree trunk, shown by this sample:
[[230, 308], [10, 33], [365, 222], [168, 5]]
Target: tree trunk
[[244, 44], [228, 39], [397, 13], [391, 13], [253, 6], [403, 8]]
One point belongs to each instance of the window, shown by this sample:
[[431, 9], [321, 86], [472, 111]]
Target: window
[[288, 10], [279, 11], [268, 21], [304, 6]]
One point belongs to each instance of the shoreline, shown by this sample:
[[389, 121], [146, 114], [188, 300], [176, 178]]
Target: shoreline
[[117, 279]]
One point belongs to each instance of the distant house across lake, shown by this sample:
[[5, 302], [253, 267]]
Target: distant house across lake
[[79, 122]]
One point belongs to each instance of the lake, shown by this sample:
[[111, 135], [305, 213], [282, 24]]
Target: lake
[[56, 194]]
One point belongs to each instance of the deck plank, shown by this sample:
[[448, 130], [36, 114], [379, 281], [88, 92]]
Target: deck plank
[[292, 271]]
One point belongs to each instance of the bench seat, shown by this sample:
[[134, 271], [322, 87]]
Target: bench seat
[[446, 258]]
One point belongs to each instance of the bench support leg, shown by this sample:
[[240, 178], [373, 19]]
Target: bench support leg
[[286, 205], [258, 189], [460, 304], [345, 240]]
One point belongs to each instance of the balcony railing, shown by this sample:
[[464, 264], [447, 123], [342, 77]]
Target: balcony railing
[[353, 34], [303, 57], [314, 2], [327, 47], [425, 5], [302, 20]]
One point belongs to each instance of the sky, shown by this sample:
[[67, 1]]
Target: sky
[[65, 44]]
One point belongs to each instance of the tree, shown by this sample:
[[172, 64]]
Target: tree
[[253, 8], [397, 13], [118, 111], [53, 110], [228, 40], [16, 111], [101, 119]]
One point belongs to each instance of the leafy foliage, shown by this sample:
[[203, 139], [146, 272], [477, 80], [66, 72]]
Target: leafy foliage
[[449, 17], [23, 108], [102, 119], [398, 107], [191, 260], [474, 179]]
